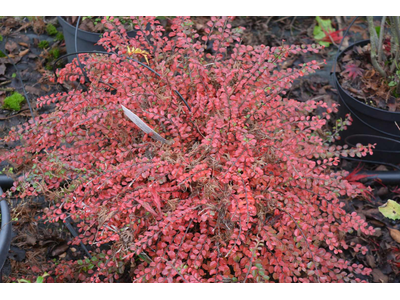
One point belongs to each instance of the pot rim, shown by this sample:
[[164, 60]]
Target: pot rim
[[375, 136], [5, 231], [71, 27], [392, 113]]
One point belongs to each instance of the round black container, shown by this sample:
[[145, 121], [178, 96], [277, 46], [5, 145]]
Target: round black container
[[5, 232], [5, 182], [86, 41], [370, 125]]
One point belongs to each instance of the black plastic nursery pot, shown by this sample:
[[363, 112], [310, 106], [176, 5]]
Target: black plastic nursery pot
[[5, 231], [6, 182], [86, 41], [370, 124]]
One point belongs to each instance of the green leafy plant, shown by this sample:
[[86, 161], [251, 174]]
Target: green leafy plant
[[325, 34], [122, 20], [14, 101], [95, 20], [393, 81], [39, 279]]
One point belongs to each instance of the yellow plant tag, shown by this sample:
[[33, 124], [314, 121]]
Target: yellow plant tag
[[134, 50]]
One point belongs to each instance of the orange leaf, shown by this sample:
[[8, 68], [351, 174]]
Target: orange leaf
[[395, 234]]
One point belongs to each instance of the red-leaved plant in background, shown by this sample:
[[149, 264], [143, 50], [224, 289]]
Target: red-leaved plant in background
[[243, 189]]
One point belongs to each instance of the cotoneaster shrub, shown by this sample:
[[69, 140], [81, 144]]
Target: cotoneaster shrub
[[243, 190]]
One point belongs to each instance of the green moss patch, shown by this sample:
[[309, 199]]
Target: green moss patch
[[51, 29], [14, 101], [43, 44], [55, 53], [59, 37]]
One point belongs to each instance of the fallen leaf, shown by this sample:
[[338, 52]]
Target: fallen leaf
[[24, 44], [10, 22], [371, 261], [11, 46], [379, 276], [60, 249], [5, 60], [395, 234], [347, 58], [381, 168], [362, 30], [359, 49], [39, 25], [378, 232], [352, 71], [288, 63], [24, 27], [45, 88], [24, 39], [31, 240], [99, 27], [383, 191], [2, 69], [87, 25], [31, 55], [390, 210], [22, 53], [33, 90]]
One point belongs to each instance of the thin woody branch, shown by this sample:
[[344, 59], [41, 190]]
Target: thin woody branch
[[374, 46]]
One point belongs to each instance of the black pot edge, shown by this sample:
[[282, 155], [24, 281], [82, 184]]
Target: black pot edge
[[91, 36], [5, 232], [5, 182], [375, 150], [366, 106]]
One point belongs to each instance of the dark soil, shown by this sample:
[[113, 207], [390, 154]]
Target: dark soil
[[36, 246]]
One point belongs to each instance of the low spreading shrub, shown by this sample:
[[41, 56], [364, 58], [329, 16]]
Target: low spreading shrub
[[241, 186]]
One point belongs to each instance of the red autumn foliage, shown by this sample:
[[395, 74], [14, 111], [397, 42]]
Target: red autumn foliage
[[352, 71], [354, 177], [243, 191], [332, 36]]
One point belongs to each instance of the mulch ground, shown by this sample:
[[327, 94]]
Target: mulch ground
[[36, 245]]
